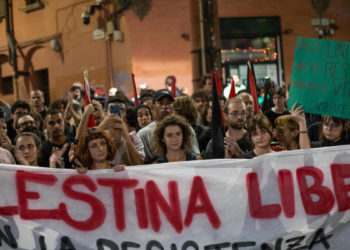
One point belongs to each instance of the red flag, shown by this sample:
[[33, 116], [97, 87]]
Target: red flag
[[218, 83], [173, 87], [251, 81], [136, 101], [233, 89], [91, 122]]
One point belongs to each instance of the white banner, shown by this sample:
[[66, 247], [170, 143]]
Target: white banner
[[286, 200]]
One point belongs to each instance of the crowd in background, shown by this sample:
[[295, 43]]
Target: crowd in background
[[113, 133]]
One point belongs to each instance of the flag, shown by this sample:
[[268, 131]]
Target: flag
[[251, 87], [218, 83], [233, 89], [136, 101], [173, 86], [217, 128], [91, 121]]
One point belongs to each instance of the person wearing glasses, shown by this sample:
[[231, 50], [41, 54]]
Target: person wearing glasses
[[237, 141], [18, 109], [335, 132], [26, 123]]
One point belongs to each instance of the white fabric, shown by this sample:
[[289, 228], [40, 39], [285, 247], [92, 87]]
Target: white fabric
[[28, 189]]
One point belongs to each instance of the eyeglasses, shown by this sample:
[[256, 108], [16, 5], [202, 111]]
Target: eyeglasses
[[237, 113], [331, 125], [26, 124]]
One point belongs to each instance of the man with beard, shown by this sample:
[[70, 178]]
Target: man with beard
[[162, 106], [237, 140], [58, 142], [26, 123], [249, 103]]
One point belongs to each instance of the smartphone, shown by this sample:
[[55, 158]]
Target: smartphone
[[114, 109]]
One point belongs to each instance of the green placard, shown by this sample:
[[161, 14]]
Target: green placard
[[321, 77]]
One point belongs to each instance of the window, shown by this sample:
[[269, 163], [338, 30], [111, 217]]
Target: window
[[258, 38], [6, 85]]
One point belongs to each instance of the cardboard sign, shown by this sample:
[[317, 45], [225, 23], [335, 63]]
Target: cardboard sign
[[321, 77], [289, 200]]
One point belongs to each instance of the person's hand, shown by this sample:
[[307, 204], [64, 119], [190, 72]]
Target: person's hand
[[56, 156], [108, 122], [120, 124], [81, 170], [298, 113], [20, 157], [231, 148], [97, 105], [119, 168], [5, 141], [88, 110], [71, 152]]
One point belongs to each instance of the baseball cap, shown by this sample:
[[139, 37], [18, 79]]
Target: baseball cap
[[162, 93]]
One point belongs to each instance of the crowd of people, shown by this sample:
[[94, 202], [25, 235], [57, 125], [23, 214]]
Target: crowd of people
[[162, 128]]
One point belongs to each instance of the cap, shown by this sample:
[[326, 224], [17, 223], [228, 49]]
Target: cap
[[77, 84], [162, 93]]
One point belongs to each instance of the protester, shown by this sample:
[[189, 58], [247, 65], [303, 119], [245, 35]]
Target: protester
[[222, 101], [26, 123], [143, 115], [185, 107], [162, 101], [206, 82], [94, 151], [279, 108], [168, 83], [237, 141], [200, 98], [5, 140], [17, 109], [249, 103], [57, 143], [130, 119], [129, 149], [335, 131], [291, 130], [171, 140], [260, 133], [38, 102], [28, 147]]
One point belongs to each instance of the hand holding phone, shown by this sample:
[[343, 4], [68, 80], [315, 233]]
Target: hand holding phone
[[114, 109]]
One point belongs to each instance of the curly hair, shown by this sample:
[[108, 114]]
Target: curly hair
[[82, 150], [184, 106], [158, 146]]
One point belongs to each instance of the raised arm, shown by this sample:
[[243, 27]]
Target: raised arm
[[82, 130], [299, 115]]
